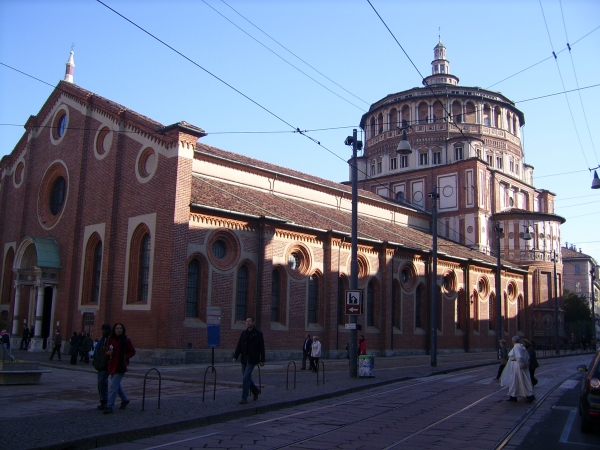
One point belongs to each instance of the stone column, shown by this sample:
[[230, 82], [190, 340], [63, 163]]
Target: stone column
[[15, 325], [39, 310]]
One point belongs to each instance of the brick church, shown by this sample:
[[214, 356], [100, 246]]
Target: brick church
[[107, 215]]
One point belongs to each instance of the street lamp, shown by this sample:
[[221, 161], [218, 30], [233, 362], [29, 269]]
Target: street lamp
[[434, 290], [596, 180], [356, 145]]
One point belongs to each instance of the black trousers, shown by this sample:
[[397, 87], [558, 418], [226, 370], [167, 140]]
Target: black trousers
[[304, 356], [55, 349]]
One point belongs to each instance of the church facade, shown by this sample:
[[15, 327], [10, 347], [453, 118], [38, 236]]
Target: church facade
[[109, 216]]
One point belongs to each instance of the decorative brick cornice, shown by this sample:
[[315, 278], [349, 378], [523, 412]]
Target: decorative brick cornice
[[197, 219]]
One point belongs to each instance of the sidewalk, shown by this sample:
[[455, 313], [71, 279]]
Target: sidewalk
[[61, 412]]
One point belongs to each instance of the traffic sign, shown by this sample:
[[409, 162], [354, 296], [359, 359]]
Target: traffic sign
[[350, 326], [353, 302]]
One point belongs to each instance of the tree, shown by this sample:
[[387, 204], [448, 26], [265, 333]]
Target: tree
[[577, 308]]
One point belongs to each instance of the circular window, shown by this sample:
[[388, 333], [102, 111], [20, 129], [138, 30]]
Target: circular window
[[483, 287], [146, 164], [103, 142], [53, 195], [219, 249], [225, 249], [511, 235], [298, 260], [18, 177], [511, 291], [60, 124], [408, 276], [449, 283], [469, 229]]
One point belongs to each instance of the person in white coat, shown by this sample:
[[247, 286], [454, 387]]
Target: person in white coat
[[516, 373], [316, 353]]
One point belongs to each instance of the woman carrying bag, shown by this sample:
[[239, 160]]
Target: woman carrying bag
[[119, 351]]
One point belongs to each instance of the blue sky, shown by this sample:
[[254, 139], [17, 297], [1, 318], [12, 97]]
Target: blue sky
[[345, 41]]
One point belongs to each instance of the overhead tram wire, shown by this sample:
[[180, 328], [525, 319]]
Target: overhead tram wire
[[281, 57], [292, 53], [563, 85], [543, 60], [577, 83], [264, 108]]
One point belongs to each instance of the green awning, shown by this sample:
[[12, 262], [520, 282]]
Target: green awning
[[48, 255]]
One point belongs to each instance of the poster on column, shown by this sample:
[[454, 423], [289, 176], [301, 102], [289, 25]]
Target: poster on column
[[213, 326]]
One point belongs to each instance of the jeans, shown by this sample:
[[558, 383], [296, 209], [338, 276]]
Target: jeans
[[115, 388], [247, 383], [103, 386]]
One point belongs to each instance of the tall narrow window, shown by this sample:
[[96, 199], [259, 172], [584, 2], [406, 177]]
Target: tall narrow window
[[275, 295], [370, 303], [242, 294], [313, 299], [393, 163], [404, 161], [418, 305], [458, 153], [437, 157], [96, 272], [379, 167], [423, 159], [144, 274], [193, 289]]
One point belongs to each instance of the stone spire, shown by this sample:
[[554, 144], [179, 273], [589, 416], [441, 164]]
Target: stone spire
[[70, 68], [440, 68]]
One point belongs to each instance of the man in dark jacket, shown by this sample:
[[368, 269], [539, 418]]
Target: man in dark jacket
[[25, 339], [57, 345], [306, 349], [251, 347], [74, 350], [101, 365]]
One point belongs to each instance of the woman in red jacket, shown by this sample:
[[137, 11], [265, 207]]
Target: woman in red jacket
[[119, 351]]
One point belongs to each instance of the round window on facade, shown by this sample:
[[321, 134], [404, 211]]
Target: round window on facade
[[408, 276], [147, 162], [18, 177], [59, 125], [294, 261], [404, 276], [511, 291], [219, 249], [298, 260], [53, 195], [483, 287], [103, 142]]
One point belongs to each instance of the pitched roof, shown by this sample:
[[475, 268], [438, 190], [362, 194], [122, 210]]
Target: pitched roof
[[568, 253], [207, 192]]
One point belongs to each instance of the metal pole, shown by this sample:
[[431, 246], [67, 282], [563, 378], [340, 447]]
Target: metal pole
[[354, 257], [555, 307], [593, 312], [434, 288], [498, 231]]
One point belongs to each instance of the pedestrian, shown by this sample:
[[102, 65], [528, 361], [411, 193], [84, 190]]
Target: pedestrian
[[25, 338], [74, 349], [81, 351], [348, 349], [362, 345], [306, 350], [573, 342], [5, 343], [502, 357], [56, 345], [583, 342], [316, 353], [100, 363], [533, 362], [120, 351], [516, 374], [251, 351], [88, 343]]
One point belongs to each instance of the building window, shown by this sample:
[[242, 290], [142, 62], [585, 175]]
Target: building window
[[57, 195], [511, 166], [372, 169], [92, 270], [379, 167], [393, 163], [193, 289], [144, 274], [241, 294], [404, 161], [419, 297], [437, 157], [313, 299], [488, 158], [400, 196], [219, 249], [499, 162], [422, 159], [478, 152], [97, 272], [577, 268], [458, 153], [275, 295], [88, 322]]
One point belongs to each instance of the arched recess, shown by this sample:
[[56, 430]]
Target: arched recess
[[405, 115], [278, 295], [196, 288], [470, 112], [461, 311], [245, 289], [372, 129], [520, 314], [139, 274], [392, 119], [423, 112], [475, 301], [373, 303], [421, 307], [8, 277], [343, 285], [380, 123], [316, 303], [92, 271], [438, 112]]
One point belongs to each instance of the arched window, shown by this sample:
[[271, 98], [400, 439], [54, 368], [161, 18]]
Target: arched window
[[7, 277], [144, 276], [470, 112], [498, 116], [423, 112], [420, 307], [313, 299], [393, 119], [241, 302], [487, 115], [193, 289], [475, 311], [457, 112], [491, 313], [372, 129], [405, 115], [139, 265], [438, 112], [520, 314], [97, 272], [275, 295], [505, 322], [380, 123]]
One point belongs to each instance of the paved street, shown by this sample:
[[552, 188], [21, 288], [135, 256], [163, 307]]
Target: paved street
[[61, 411]]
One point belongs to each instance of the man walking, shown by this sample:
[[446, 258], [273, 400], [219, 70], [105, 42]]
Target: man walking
[[101, 365], [57, 344], [25, 339], [306, 349], [251, 348]]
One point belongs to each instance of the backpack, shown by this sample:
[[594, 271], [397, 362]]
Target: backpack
[[100, 360]]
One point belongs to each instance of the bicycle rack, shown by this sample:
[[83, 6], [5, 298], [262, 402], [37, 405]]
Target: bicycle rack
[[259, 382], [214, 370], [159, 387], [287, 375], [322, 364]]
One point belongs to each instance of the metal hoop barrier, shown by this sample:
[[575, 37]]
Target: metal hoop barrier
[[214, 370], [287, 375], [322, 364], [259, 382], [159, 387]]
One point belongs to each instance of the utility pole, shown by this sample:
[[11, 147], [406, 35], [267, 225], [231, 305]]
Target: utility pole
[[593, 309], [498, 231], [434, 290], [557, 351]]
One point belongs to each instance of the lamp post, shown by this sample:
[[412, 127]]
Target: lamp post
[[593, 277], [434, 291], [498, 231], [555, 305]]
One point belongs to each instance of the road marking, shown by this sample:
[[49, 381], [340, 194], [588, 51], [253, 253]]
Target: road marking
[[564, 437], [569, 384]]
